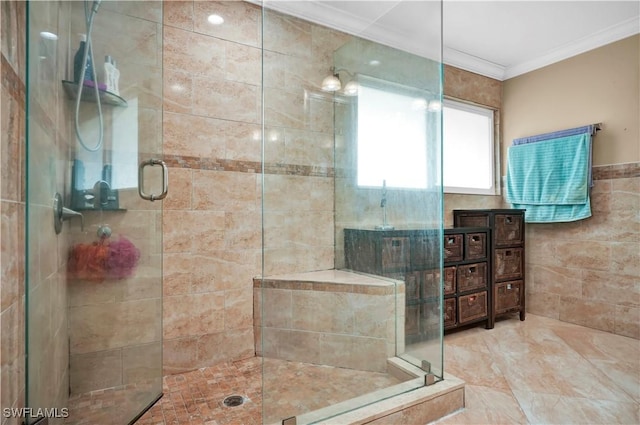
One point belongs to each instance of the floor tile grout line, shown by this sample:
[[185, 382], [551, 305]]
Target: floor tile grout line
[[598, 369]]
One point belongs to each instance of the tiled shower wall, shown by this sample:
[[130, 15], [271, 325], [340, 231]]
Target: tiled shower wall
[[12, 205], [48, 341], [212, 142]]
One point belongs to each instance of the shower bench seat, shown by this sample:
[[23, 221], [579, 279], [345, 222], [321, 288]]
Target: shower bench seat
[[331, 317]]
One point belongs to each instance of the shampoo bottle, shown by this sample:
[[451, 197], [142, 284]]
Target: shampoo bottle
[[116, 77], [111, 75], [77, 62]]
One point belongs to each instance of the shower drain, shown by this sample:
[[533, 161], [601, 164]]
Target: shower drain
[[233, 401]]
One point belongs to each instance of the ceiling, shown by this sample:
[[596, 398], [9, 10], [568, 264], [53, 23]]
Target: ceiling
[[499, 39]]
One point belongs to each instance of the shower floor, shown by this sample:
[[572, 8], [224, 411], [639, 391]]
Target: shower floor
[[114, 405], [196, 398]]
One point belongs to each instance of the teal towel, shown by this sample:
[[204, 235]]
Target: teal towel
[[550, 179]]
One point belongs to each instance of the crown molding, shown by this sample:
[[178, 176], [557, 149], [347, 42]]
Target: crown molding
[[472, 63], [601, 38], [329, 16], [320, 13], [326, 15]]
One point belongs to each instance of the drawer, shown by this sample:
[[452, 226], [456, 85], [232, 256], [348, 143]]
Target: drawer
[[471, 276], [449, 280], [450, 315], [412, 286], [508, 229], [453, 247], [508, 263], [425, 252], [473, 220], [431, 283], [472, 307], [395, 254], [475, 246], [507, 296], [412, 320]]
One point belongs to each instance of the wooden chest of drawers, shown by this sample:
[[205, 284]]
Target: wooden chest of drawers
[[466, 277], [507, 254], [414, 257]]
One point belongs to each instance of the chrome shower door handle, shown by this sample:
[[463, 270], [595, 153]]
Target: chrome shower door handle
[[165, 179]]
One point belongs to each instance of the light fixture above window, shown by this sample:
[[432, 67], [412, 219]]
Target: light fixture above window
[[351, 88], [332, 83]]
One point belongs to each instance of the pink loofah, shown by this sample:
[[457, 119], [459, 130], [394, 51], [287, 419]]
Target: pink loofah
[[88, 261], [123, 258]]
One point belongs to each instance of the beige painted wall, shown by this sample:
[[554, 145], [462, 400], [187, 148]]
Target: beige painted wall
[[602, 85]]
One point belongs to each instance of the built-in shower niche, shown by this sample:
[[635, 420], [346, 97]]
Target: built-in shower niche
[[98, 177]]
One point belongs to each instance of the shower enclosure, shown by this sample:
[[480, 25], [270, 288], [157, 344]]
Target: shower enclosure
[[286, 126], [94, 246], [351, 125]]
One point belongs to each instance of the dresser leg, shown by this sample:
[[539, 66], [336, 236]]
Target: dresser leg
[[490, 323]]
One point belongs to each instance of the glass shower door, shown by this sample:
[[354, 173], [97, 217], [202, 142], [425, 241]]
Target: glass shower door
[[94, 246], [333, 335]]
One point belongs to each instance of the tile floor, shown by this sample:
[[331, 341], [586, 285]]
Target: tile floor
[[542, 371]]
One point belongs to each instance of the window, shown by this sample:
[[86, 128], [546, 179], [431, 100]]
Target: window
[[469, 163], [392, 127]]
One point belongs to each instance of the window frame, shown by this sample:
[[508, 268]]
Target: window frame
[[491, 114]]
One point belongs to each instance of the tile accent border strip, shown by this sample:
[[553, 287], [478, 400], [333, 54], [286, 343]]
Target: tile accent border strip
[[616, 171], [196, 163], [603, 172]]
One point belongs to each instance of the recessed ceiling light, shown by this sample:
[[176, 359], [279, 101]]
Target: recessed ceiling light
[[48, 35], [374, 62], [215, 19]]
